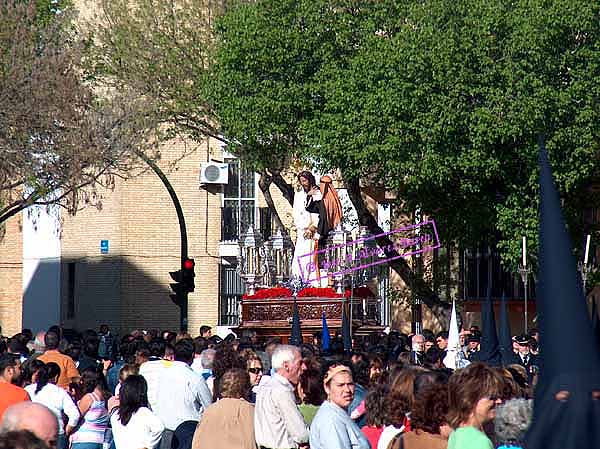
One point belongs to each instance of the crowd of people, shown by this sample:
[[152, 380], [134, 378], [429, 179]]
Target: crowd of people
[[166, 390]]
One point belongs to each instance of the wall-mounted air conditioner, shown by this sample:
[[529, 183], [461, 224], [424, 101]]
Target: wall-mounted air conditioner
[[214, 173]]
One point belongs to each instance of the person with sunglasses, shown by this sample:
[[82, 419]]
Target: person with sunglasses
[[473, 394], [255, 371]]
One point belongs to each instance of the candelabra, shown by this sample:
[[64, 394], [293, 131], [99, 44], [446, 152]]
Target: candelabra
[[584, 269], [250, 259], [524, 272]]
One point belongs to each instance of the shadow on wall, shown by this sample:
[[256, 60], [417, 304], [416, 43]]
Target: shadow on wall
[[84, 293]]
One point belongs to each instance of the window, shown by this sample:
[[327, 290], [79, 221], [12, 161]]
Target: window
[[481, 262], [239, 201]]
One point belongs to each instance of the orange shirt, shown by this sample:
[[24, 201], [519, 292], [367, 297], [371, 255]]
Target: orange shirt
[[68, 370], [9, 395]]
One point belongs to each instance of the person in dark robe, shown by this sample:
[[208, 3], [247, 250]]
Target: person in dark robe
[[567, 396]]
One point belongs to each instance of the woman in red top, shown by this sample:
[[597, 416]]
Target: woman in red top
[[375, 413]]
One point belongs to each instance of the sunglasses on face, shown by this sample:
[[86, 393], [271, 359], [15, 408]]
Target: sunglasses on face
[[255, 370]]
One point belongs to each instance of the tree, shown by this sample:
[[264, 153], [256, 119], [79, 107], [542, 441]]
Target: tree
[[56, 136], [449, 98], [269, 58], [441, 101]]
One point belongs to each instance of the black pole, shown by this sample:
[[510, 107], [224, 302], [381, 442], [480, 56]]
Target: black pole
[[183, 320]]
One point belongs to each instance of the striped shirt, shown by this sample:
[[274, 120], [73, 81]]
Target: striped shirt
[[95, 422]]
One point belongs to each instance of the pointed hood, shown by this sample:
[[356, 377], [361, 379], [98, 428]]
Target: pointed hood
[[296, 337], [325, 337], [566, 411], [595, 321], [453, 341], [505, 338], [346, 330], [562, 309], [490, 348]]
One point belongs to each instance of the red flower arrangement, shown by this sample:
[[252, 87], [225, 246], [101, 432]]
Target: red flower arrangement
[[315, 292], [266, 293]]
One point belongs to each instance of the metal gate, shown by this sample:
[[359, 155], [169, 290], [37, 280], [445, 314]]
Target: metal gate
[[232, 289]]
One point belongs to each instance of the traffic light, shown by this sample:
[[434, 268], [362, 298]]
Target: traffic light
[[184, 281], [178, 295], [188, 274]]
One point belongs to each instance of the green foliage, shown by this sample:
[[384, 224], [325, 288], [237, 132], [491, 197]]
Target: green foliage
[[47, 10], [441, 101]]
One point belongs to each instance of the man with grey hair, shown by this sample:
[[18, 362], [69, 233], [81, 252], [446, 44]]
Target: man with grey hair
[[207, 358], [417, 349], [512, 421], [36, 418], [277, 421]]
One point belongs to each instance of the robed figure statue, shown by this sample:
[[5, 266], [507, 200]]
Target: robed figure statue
[[316, 213]]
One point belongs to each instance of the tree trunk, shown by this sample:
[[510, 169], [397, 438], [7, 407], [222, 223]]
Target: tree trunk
[[420, 288], [286, 188], [264, 183]]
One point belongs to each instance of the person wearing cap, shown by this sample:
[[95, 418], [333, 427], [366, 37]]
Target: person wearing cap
[[473, 346], [332, 427], [524, 356]]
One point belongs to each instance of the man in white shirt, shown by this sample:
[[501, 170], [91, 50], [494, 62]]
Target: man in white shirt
[[152, 369], [277, 421], [182, 394]]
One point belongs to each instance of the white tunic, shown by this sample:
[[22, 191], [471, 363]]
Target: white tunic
[[302, 264]]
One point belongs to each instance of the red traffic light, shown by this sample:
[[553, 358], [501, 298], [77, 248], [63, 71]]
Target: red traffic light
[[188, 264]]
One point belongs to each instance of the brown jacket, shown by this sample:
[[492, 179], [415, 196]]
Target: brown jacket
[[418, 439], [226, 424]]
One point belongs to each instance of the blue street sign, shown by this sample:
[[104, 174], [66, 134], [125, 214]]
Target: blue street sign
[[103, 246]]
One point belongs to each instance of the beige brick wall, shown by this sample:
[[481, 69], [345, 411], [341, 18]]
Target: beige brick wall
[[130, 287], [11, 277]]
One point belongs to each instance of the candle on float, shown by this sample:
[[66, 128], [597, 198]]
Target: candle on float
[[250, 261], [587, 250], [524, 251]]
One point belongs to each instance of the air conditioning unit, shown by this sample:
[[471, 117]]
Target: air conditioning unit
[[214, 173]]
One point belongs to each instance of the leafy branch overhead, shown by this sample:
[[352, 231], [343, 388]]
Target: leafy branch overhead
[[439, 101], [57, 139]]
